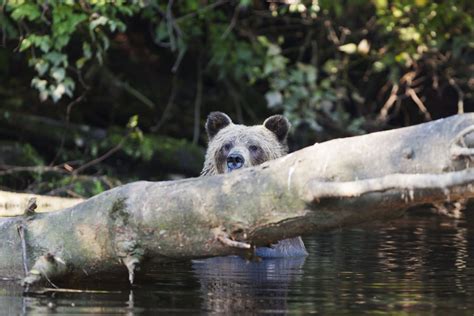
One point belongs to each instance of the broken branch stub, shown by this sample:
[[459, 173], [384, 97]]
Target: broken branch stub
[[329, 185]]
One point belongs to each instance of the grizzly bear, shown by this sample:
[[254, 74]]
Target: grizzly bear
[[234, 146]]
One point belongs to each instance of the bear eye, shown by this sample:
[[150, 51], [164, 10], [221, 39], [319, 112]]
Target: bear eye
[[253, 148]]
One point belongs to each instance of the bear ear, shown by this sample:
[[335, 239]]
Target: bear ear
[[279, 125], [215, 122]]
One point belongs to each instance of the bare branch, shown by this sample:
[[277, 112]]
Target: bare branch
[[389, 103], [411, 92], [197, 102], [406, 182]]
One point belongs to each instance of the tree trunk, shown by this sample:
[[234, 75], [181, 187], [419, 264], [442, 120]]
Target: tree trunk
[[329, 185]]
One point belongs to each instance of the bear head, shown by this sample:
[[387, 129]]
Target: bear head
[[234, 146]]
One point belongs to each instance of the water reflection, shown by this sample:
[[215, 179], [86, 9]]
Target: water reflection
[[419, 265], [414, 264], [11, 299], [232, 284]]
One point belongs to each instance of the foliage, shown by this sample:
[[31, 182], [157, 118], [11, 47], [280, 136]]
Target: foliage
[[335, 68], [46, 28], [339, 42]]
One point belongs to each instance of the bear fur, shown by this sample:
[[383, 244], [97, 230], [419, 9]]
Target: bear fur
[[234, 146], [256, 144]]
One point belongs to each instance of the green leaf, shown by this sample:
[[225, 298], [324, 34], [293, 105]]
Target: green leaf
[[41, 41], [86, 49], [132, 122], [27, 10], [45, 44], [245, 3], [61, 41], [39, 83], [25, 44], [101, 20], [161, 32], [58, 74], [274, 99], [380, 4], [378, 66], [57, 92], [41, 66], [81, 62], [69, 86], [56, 58]]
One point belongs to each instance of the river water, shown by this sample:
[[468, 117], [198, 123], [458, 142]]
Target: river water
[[414, 265]]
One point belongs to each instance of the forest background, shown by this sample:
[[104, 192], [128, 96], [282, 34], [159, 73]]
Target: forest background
[[98, 93]]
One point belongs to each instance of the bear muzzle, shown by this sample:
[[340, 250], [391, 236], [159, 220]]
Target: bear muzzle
[[235, 161]]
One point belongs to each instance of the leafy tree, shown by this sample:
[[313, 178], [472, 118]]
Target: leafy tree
[[335, 68]]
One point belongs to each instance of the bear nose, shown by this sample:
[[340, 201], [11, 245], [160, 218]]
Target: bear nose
[[235, 161]]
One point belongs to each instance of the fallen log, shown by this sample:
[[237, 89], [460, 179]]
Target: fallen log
[[178, 155], [14, 204], [325, 186]]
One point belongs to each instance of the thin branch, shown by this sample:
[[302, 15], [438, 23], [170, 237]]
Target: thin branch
[[36, 169], [332, 36], [389, 103], [197, 102], [67, 120], [453, 84], [4, 25], [65, 290], [127, 88], [169, 104], [137, 94], [233, 22], [201, 10], [21, 233], [43, 13], [458, 151], [72, 194], [80, 78], [307, 41], [419, 103], [101, 158], [232, 243], [169, 18], [234, 95], [176, 64]]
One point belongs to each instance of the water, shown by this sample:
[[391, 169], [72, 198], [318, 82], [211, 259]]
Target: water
[[416, 265]]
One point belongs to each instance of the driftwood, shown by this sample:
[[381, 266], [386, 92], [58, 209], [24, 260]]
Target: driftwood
[[329, 185], [14, 204]]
